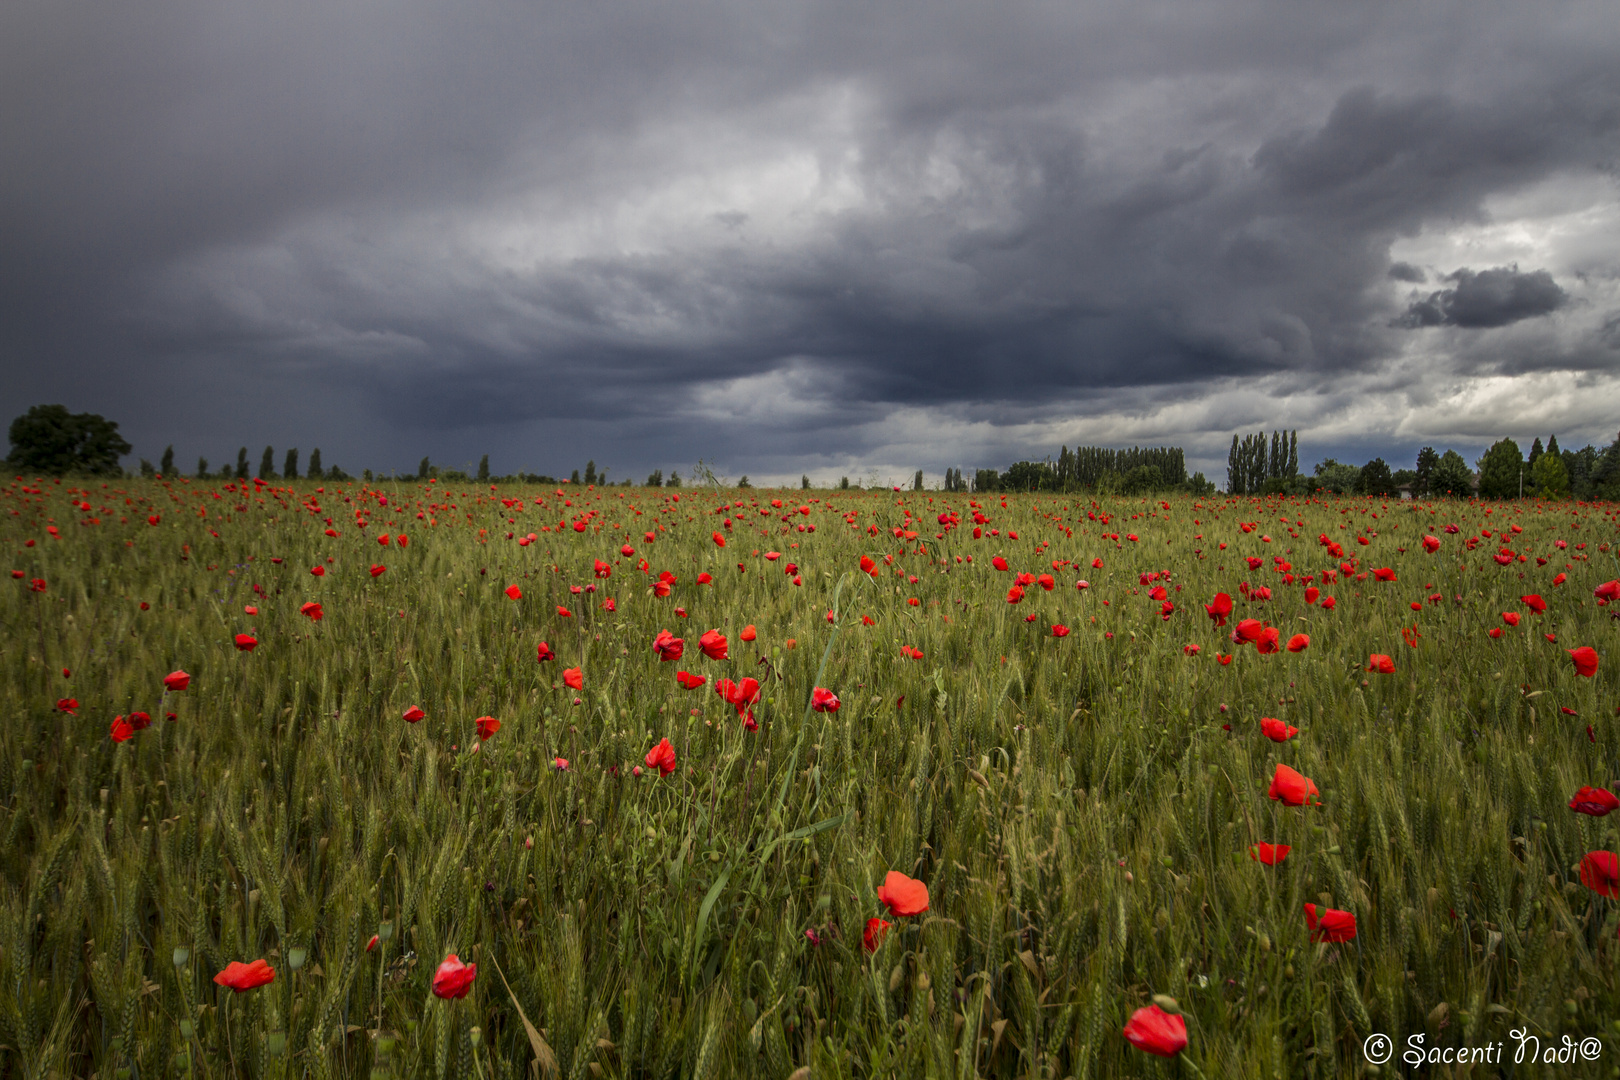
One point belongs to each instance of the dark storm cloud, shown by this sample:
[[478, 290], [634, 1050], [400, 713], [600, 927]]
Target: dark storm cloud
[[1402, 271], [761, 233], [1487, 299]]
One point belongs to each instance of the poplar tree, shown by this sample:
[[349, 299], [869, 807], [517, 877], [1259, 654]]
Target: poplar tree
[[166, 466], [267, 464], [315, 465], [289, 467]]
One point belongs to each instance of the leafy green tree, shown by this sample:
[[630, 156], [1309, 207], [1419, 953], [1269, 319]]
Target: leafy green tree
[[202, 468], [1424, 473], [1451, 476], [843, 483], [425, 468], [1552, 479], [917, 481], [1501, 471], [315, 465], [289, 467], [742, 481], [804, 482], [147, 470], [50, 440], [483, 469], [655, 478], [241, 464], [1406, 478], [590, 473], [674, 478], [1535, 455], [574, 479], [166, 466], [267, 464], [1336, 477], [1375, 479], [1028, 476]]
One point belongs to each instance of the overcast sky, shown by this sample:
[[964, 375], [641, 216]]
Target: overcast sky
[[789, 236]]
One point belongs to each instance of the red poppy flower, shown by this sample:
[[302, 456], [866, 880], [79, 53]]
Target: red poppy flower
[[378, 571], [704, 578], [413, 714], [1269, 854], [1431, 544], [662, 758], [1059, 630], [1329, 924], [514, 592], [1276, 730], [241, 977], [1596, 802], [1311, 593], [487, 726], [68, 705], [713, 644], [1268, 641], [1534, 602], [250, 609], [602, 570], [318, 571], [999, 563], [121, 729], [1155, 1031], [1219, 608], [560, 764], [176, 680], [573, 678], [1299, 643], [869, 566], [911, 653], [903, 895], [1585, 659], [140, 721], [1224, 658], [246, 643], [453, 978], [1291, 788], [668, 646], [719, 541], [749, 633], [824, 700], [562, 612], [544, 653], [382, 540], [1327, 605], [1380, 663], [876, 930], [313, 610], [1609, 590], [1600, 872], [1247, 631], [1047, 582], [740, 694], [690, 681]]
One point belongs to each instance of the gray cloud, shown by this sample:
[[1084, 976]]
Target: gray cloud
[[1487, 299], [798, 232]]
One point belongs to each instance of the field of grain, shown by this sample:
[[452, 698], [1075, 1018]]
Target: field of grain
[[1042, 717]]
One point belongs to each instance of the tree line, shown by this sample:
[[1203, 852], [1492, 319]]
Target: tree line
[[50, 440]]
